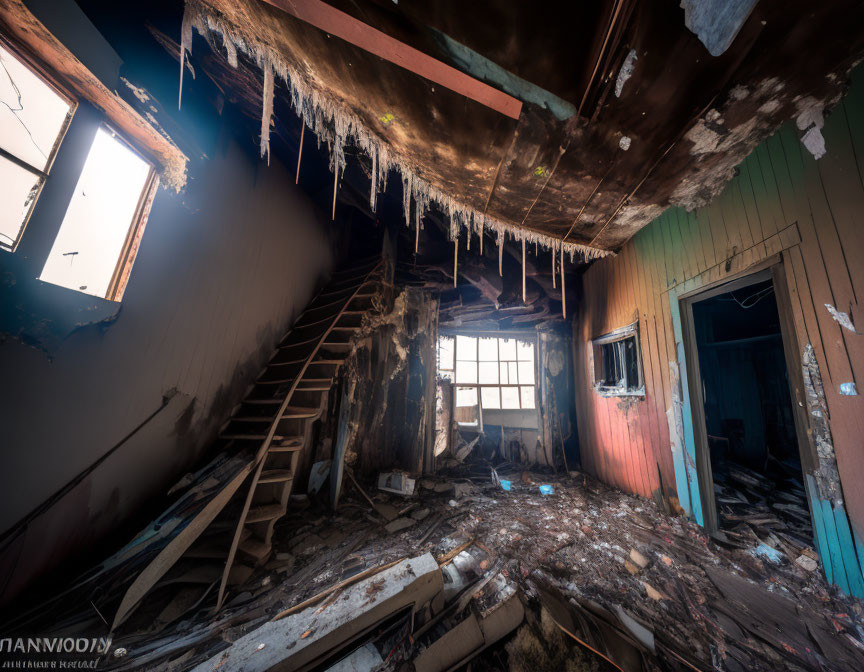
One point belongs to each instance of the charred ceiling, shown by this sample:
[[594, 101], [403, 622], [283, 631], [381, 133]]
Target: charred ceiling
[[623, 109]]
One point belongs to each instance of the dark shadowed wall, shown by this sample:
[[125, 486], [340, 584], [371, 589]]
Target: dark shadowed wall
[[222, 271]]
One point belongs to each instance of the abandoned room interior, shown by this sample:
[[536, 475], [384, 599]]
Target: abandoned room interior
[[362, 335]]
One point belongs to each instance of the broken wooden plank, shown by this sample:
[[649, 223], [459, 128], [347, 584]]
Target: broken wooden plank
[[315, 635]]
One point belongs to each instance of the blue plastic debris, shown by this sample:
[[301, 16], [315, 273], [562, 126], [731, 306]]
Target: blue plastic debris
[[546, 490], [505, 485], [848, 389], [770, 554]]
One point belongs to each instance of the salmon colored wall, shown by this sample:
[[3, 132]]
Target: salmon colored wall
[[781, 201]]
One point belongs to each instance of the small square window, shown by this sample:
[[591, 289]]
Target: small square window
[[617, 365], [96, 243], [33, 118]]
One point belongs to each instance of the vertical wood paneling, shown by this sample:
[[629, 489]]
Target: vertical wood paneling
[[781, 200]]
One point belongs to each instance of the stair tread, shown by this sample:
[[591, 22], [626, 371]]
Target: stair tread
[[300, 412], [290, 362], [276, 476], [256, 548], [285, 449], [266, 512]]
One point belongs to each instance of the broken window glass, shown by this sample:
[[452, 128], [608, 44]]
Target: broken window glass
[[445, 353], [33, 117], [616, 364]]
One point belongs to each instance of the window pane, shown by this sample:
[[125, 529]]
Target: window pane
[[504, 377], [490, 397], [509, 397], [526, 373], [466, 396], [19, 188], [489, 373], [527, 392], [631, 363], [32, 114], [448, 375], [445, 353], [466, 348], [514, 372], [488, 349], [94, 230], [507, 349], [466, 372], [525, 352]]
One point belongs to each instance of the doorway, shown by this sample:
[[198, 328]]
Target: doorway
[[749, 447]]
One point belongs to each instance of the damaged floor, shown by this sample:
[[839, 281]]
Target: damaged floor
[[633, 587]]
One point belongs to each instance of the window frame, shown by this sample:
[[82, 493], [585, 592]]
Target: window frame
[[478, 386], [134, 227], [43, 174], [129, 251], [624, 389]]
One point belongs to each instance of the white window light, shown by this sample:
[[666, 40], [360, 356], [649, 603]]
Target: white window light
[[106, 210], [500, 369]]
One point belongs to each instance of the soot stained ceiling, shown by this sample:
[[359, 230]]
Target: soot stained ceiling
[[624, 110]]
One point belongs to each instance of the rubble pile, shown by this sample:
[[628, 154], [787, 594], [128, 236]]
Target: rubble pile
[[628, 585]]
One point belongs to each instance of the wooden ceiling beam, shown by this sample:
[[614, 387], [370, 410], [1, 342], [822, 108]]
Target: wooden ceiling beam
[[342, 25]]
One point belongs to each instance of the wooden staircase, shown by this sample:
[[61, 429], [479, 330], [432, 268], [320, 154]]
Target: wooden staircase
[[276, 417]]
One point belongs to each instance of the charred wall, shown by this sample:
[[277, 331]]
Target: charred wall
[[386, 390]]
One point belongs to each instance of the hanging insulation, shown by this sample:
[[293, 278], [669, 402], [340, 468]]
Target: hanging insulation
[[523, 270], [455, 258], [563, 291], [331, 121], [335, 185], [300, 152]]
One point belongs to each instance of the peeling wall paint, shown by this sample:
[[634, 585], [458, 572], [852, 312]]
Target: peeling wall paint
[[826, 475], [626, 72], [841, 318]]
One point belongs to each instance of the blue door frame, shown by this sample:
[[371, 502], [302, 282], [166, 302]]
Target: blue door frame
[[839, 548]]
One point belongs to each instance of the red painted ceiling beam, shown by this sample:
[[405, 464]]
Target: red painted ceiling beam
[[338, 23]]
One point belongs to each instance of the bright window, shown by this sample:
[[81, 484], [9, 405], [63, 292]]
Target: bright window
[[498, 370], [106, 210], [33, 118]]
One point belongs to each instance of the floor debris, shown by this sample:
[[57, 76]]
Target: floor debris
[[585, 578]]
